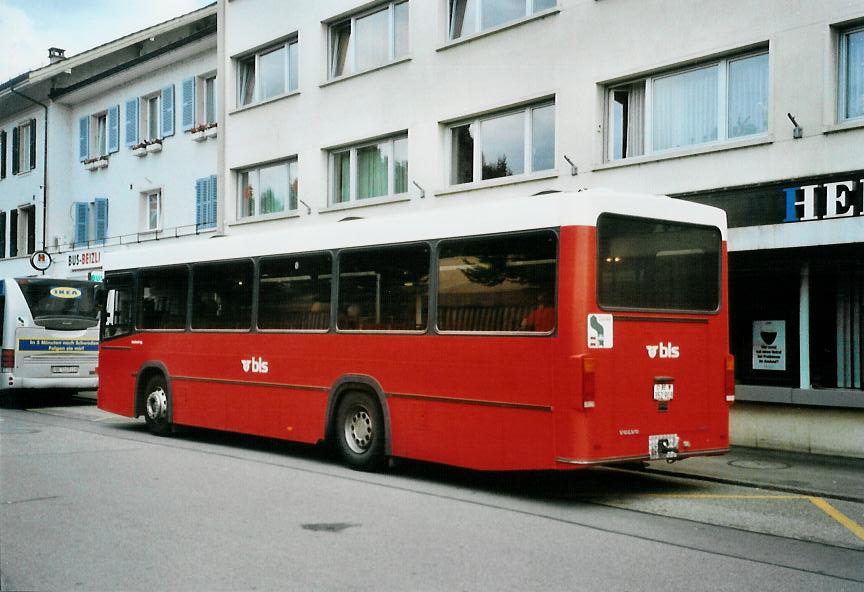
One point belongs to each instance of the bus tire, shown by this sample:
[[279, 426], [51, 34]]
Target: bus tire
[[157, 403], [359, 431]]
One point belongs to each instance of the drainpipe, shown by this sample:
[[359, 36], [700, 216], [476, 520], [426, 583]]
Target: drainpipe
[[44, 169]]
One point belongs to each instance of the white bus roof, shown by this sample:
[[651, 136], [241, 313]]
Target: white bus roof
[[524, 213]]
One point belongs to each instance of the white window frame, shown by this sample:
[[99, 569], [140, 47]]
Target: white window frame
[[144, 117], [256, 170], [201, 99], [146, 197], [477, 165], [256, 58], [477, 27], [722, 66], [97, 137], [25, 129], [842, 115], [352, 170], [351, 61]]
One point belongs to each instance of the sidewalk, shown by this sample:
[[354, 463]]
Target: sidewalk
[[804, 474]]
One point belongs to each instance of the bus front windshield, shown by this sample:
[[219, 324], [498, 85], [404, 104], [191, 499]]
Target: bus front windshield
[[60, 304]]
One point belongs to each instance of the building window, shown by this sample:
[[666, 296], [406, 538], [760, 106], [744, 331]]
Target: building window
[[208, 108], [270, 189], [24, 147], [150, 118], [852, 74], [503, 144], [468, 17], [2, 154], [374, 169], [2, 235], [714, 102], [266, 74], [152, 210], [369, 39], [100, 135], [89, 215]]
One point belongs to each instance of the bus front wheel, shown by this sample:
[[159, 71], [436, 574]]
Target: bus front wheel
[[359, 431], [156, 400]]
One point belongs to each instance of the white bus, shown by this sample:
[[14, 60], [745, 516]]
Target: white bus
[[50, 334]]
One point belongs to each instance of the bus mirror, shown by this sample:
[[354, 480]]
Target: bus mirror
[[101, 296]]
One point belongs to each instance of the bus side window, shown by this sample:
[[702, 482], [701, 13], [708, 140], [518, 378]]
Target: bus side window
[[118, 308]]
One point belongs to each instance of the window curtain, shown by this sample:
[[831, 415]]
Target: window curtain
[[855, 75], [685, 109], [636, 120], [372, 171], [748, 96]]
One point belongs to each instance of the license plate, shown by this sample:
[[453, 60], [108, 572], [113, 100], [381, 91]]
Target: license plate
[[64, 369], [663, 446], [663, 391]]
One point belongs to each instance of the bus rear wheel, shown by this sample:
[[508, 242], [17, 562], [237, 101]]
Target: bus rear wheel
[[156, 402], [359, 431]]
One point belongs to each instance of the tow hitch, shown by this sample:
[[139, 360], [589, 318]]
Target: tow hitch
[[663, 447]]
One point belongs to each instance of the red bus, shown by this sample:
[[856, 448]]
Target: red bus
[[548, 332]]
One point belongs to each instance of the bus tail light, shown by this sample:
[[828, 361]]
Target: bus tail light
[[7, 362], [730, 378], [589, 387]]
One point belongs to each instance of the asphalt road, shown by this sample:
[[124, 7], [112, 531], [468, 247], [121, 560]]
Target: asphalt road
[[91, 501]]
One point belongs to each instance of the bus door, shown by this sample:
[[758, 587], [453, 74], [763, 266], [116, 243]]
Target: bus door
[[659, 283]]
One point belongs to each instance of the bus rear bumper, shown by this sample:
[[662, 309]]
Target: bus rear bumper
[[642, 457], [10, 381]]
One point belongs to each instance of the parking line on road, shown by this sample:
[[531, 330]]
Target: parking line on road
[[820, 503], [837, 515]]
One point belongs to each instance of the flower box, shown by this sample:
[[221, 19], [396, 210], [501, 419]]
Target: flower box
[[139, 151], [210, 132], [198, 136], [100, 162], [154, 147]]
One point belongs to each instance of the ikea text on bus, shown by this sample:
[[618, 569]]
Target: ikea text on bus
[[550, 332], [49, 332]]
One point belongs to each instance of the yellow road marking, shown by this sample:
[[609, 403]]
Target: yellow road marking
[[820, 503], [850, 524]]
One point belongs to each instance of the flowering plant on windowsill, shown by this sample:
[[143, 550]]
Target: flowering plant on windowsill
[[203, 127], [145, 143], [97, 162]]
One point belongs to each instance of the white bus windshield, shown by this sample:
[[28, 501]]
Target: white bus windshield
[[60, 304]]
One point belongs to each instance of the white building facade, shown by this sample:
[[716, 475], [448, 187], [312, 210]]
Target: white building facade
[[343, 108], [131, 152]]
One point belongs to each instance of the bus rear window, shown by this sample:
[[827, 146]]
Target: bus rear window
[[61, 304], [657, 265]]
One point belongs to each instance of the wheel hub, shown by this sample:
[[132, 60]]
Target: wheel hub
[[157, 405], [359, 431]]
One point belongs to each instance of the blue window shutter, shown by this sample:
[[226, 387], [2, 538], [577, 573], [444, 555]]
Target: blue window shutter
[[200, 196], [101, 204], [114, 129], [211, 201], [82, 213], [84, 137], [132, 122], [188, 91], [167, 111]]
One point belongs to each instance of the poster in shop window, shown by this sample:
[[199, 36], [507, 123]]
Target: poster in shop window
[[769, 345]]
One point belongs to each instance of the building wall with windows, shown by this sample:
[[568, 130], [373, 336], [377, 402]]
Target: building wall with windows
[[21, 179], [345, 108], [131, 153]]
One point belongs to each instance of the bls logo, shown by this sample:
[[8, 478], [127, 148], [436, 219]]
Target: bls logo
[[257, 365], [666, 350]]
